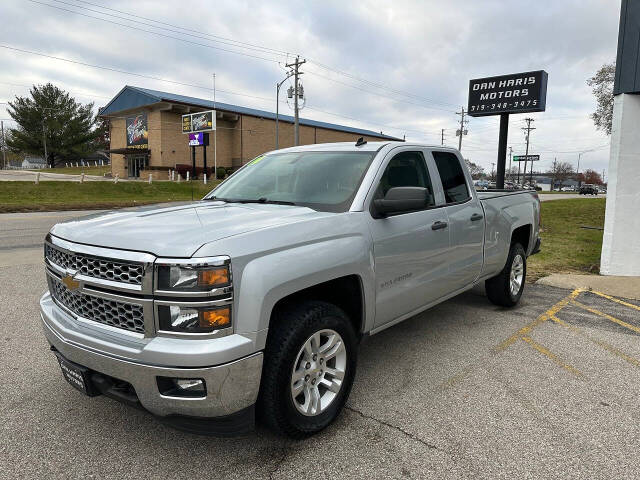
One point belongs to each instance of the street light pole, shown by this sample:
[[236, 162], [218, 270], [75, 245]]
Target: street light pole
[[289, 75]]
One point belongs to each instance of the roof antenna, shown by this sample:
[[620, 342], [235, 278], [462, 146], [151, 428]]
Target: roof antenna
[[361, 141]]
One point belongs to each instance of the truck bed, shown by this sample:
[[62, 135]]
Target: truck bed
[[494, 193]]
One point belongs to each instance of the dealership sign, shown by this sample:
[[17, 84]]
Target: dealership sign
[[137, 131], [526, 158], [198, 139], [199, 122], [515, 93]]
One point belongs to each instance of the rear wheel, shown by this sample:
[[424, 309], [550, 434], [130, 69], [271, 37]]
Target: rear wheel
[[309, 367], [506, 288]]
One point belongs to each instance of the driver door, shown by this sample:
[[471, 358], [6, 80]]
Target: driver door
[[410, 254]]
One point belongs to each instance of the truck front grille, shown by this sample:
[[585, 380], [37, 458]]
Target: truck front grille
[[128, 316], [104, 268]]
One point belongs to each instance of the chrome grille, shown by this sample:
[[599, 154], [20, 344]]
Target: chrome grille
[[96, 267], [118, 314]]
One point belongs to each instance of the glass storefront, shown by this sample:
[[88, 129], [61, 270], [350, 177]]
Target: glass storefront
[[135, 164]]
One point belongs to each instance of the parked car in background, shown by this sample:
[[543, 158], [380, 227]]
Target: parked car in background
[[257, 296], [588, 189], [481, 184]]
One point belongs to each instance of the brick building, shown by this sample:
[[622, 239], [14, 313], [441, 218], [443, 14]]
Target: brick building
[[146, 133]]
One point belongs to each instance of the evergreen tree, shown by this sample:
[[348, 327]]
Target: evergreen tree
[[51, 113]]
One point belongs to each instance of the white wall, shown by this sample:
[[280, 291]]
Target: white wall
[[621, 241]]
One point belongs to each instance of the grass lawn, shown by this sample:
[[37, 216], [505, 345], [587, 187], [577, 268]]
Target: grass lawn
[[27, 196], [565, 246], [76, 170]]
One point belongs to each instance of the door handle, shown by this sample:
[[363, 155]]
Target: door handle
[[476, 216], [438, 225]]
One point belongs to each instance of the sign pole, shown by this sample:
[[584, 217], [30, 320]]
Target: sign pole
[[502, 149], [204, 152], [193, 161]]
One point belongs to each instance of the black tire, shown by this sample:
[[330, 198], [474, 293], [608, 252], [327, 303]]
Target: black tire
[[498, 288], [291, 327]]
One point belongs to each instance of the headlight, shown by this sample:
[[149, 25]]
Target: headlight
[[193, 277], [193, 319]]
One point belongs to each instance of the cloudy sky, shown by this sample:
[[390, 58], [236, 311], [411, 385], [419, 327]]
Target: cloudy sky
[[400, 67]]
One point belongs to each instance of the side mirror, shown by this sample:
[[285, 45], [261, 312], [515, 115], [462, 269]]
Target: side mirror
[[402, 199]]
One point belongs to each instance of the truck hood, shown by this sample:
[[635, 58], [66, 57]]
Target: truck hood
[[178, 231]]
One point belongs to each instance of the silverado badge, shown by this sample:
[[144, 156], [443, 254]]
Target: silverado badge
[[70, 282]]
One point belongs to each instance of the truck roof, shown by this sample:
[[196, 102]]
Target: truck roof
[[351, 146]]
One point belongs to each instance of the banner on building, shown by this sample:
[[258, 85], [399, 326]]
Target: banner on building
[[137, 131], [514, 93], [199, 122]]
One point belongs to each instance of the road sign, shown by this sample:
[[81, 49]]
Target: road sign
[[199, 122], [526, 158], [514, 93]]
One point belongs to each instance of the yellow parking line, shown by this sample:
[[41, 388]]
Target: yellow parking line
[[607, 316], [605, 345], [617, 300], [541, 319], [552, 356]]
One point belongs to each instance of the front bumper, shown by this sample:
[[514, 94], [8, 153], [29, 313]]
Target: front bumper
[[232, 387]]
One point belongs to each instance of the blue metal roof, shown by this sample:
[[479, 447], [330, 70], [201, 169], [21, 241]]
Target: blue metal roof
[[135, 97]]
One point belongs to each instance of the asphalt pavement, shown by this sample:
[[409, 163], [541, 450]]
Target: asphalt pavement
[[548, 389]]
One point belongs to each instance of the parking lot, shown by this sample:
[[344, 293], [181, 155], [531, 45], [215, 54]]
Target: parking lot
[[466, 390]]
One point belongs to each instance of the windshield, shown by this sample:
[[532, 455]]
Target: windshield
[[325, 181]]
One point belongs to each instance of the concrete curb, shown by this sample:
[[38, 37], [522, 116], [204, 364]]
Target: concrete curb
[[626, 287]]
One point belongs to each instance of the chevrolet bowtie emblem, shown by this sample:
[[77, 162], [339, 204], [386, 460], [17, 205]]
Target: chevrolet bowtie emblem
[[70, 283]]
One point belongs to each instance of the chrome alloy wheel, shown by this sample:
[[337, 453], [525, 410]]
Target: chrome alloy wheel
[[318, 372], [516, 277]]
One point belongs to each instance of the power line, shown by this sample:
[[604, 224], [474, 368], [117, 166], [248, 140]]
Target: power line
[[379, 85], [223, 40], [240, 44], [156, 33], [175, 82], [375, 93], [228, 41]]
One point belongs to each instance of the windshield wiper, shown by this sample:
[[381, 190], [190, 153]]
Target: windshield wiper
[[265, 200], [251, 200]]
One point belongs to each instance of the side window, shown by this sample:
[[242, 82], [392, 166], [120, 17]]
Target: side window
[[406, 169], [452, 177]]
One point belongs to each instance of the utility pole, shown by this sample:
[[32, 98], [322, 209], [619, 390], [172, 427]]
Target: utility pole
[[215, 135], [462, 131], [442, 137], [493, 178], [44, 139], [555, 170], [578, 170], [528, 129], [296, 93], [510, 157], [4, 148]]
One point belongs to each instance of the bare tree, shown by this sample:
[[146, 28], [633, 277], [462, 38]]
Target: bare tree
[[476, 170], [560, 171], [602, 86]]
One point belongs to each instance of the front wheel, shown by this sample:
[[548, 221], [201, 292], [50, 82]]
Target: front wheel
[[505, 289], [309, 367]]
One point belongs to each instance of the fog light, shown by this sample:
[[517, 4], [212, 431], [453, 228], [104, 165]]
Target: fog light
[[182, 387]]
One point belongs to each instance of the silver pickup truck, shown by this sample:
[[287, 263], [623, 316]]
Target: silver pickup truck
[[255, 298]]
